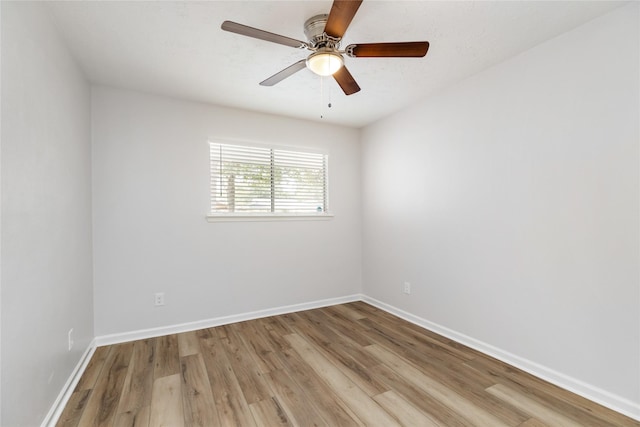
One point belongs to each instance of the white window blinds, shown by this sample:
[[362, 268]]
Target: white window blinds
[[257, 180]]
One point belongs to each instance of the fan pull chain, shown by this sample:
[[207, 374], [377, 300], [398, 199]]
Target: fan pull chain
[[322, 104], [321, 97]]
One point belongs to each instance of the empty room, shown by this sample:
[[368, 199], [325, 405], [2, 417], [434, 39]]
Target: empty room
[[320, 213]]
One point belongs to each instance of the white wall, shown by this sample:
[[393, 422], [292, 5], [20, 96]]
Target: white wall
[[511, 203], [150, 198], [46, 214]]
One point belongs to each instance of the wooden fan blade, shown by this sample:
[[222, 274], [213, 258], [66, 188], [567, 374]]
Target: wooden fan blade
[[281, 75], [340, 16], [398, 50], [245, 30], [346, 81]]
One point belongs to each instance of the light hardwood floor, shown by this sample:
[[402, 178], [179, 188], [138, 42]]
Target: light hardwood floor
[[349, 364]]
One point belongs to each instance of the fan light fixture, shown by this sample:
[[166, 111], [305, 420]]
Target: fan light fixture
[[325, 62], [324, 34]]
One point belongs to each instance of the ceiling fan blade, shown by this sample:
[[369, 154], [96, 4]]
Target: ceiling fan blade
[[245, 30], [346, 81], [281, 75], [376, 50], [340, 16]]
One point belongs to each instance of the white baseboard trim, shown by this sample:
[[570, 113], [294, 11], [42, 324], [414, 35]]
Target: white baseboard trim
[[588, 391], [218, 321], [54, 413]]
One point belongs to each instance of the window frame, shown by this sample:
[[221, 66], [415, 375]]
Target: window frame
[[327, 214]]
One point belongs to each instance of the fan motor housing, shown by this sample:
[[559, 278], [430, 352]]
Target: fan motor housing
[[314, 30], [314, 26]]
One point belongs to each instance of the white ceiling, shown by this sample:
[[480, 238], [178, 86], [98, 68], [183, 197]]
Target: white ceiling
[[178, 49]]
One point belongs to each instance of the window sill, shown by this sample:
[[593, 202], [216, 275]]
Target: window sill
[[268, 217]]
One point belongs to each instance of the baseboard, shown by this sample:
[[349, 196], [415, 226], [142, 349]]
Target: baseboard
[[61, 401], [588, 391], [218, 321]]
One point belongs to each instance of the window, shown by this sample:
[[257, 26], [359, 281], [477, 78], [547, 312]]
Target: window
[[263, 181]]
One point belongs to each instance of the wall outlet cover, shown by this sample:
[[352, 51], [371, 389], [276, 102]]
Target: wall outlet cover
[[406, 288], [159, 299]]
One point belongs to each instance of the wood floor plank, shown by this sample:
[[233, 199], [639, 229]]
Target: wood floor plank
[[406, 344], [577, 407], [423, 337], [377, 315], [90, 375], [288, 321], [373, 313], [449, 398], [166, 402], [72, 412], [268, 413], [348, 357], [361, 307], [342, 324], [403, 411], [448, 370], [103, 402], [292, 399], [367, 410], [334, 333], [167, 361], [533, 408], [251, 381], [532, 422], [276, 330], [279, 324], [443, 414], [139, 418], [136, 391], [197, 397], [347, 311], [453, 374], [320, 396], [232, 408], [188, 343], [409, 344], [259, 347]]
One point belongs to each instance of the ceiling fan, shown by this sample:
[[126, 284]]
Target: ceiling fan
[[324, 33]]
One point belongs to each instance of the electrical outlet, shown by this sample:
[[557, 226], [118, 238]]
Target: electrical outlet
[[70, 337], [406, 288], [159, 299]]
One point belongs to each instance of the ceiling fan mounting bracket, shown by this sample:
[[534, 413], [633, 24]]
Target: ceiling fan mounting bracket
[[314, 31], [314, 26]]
